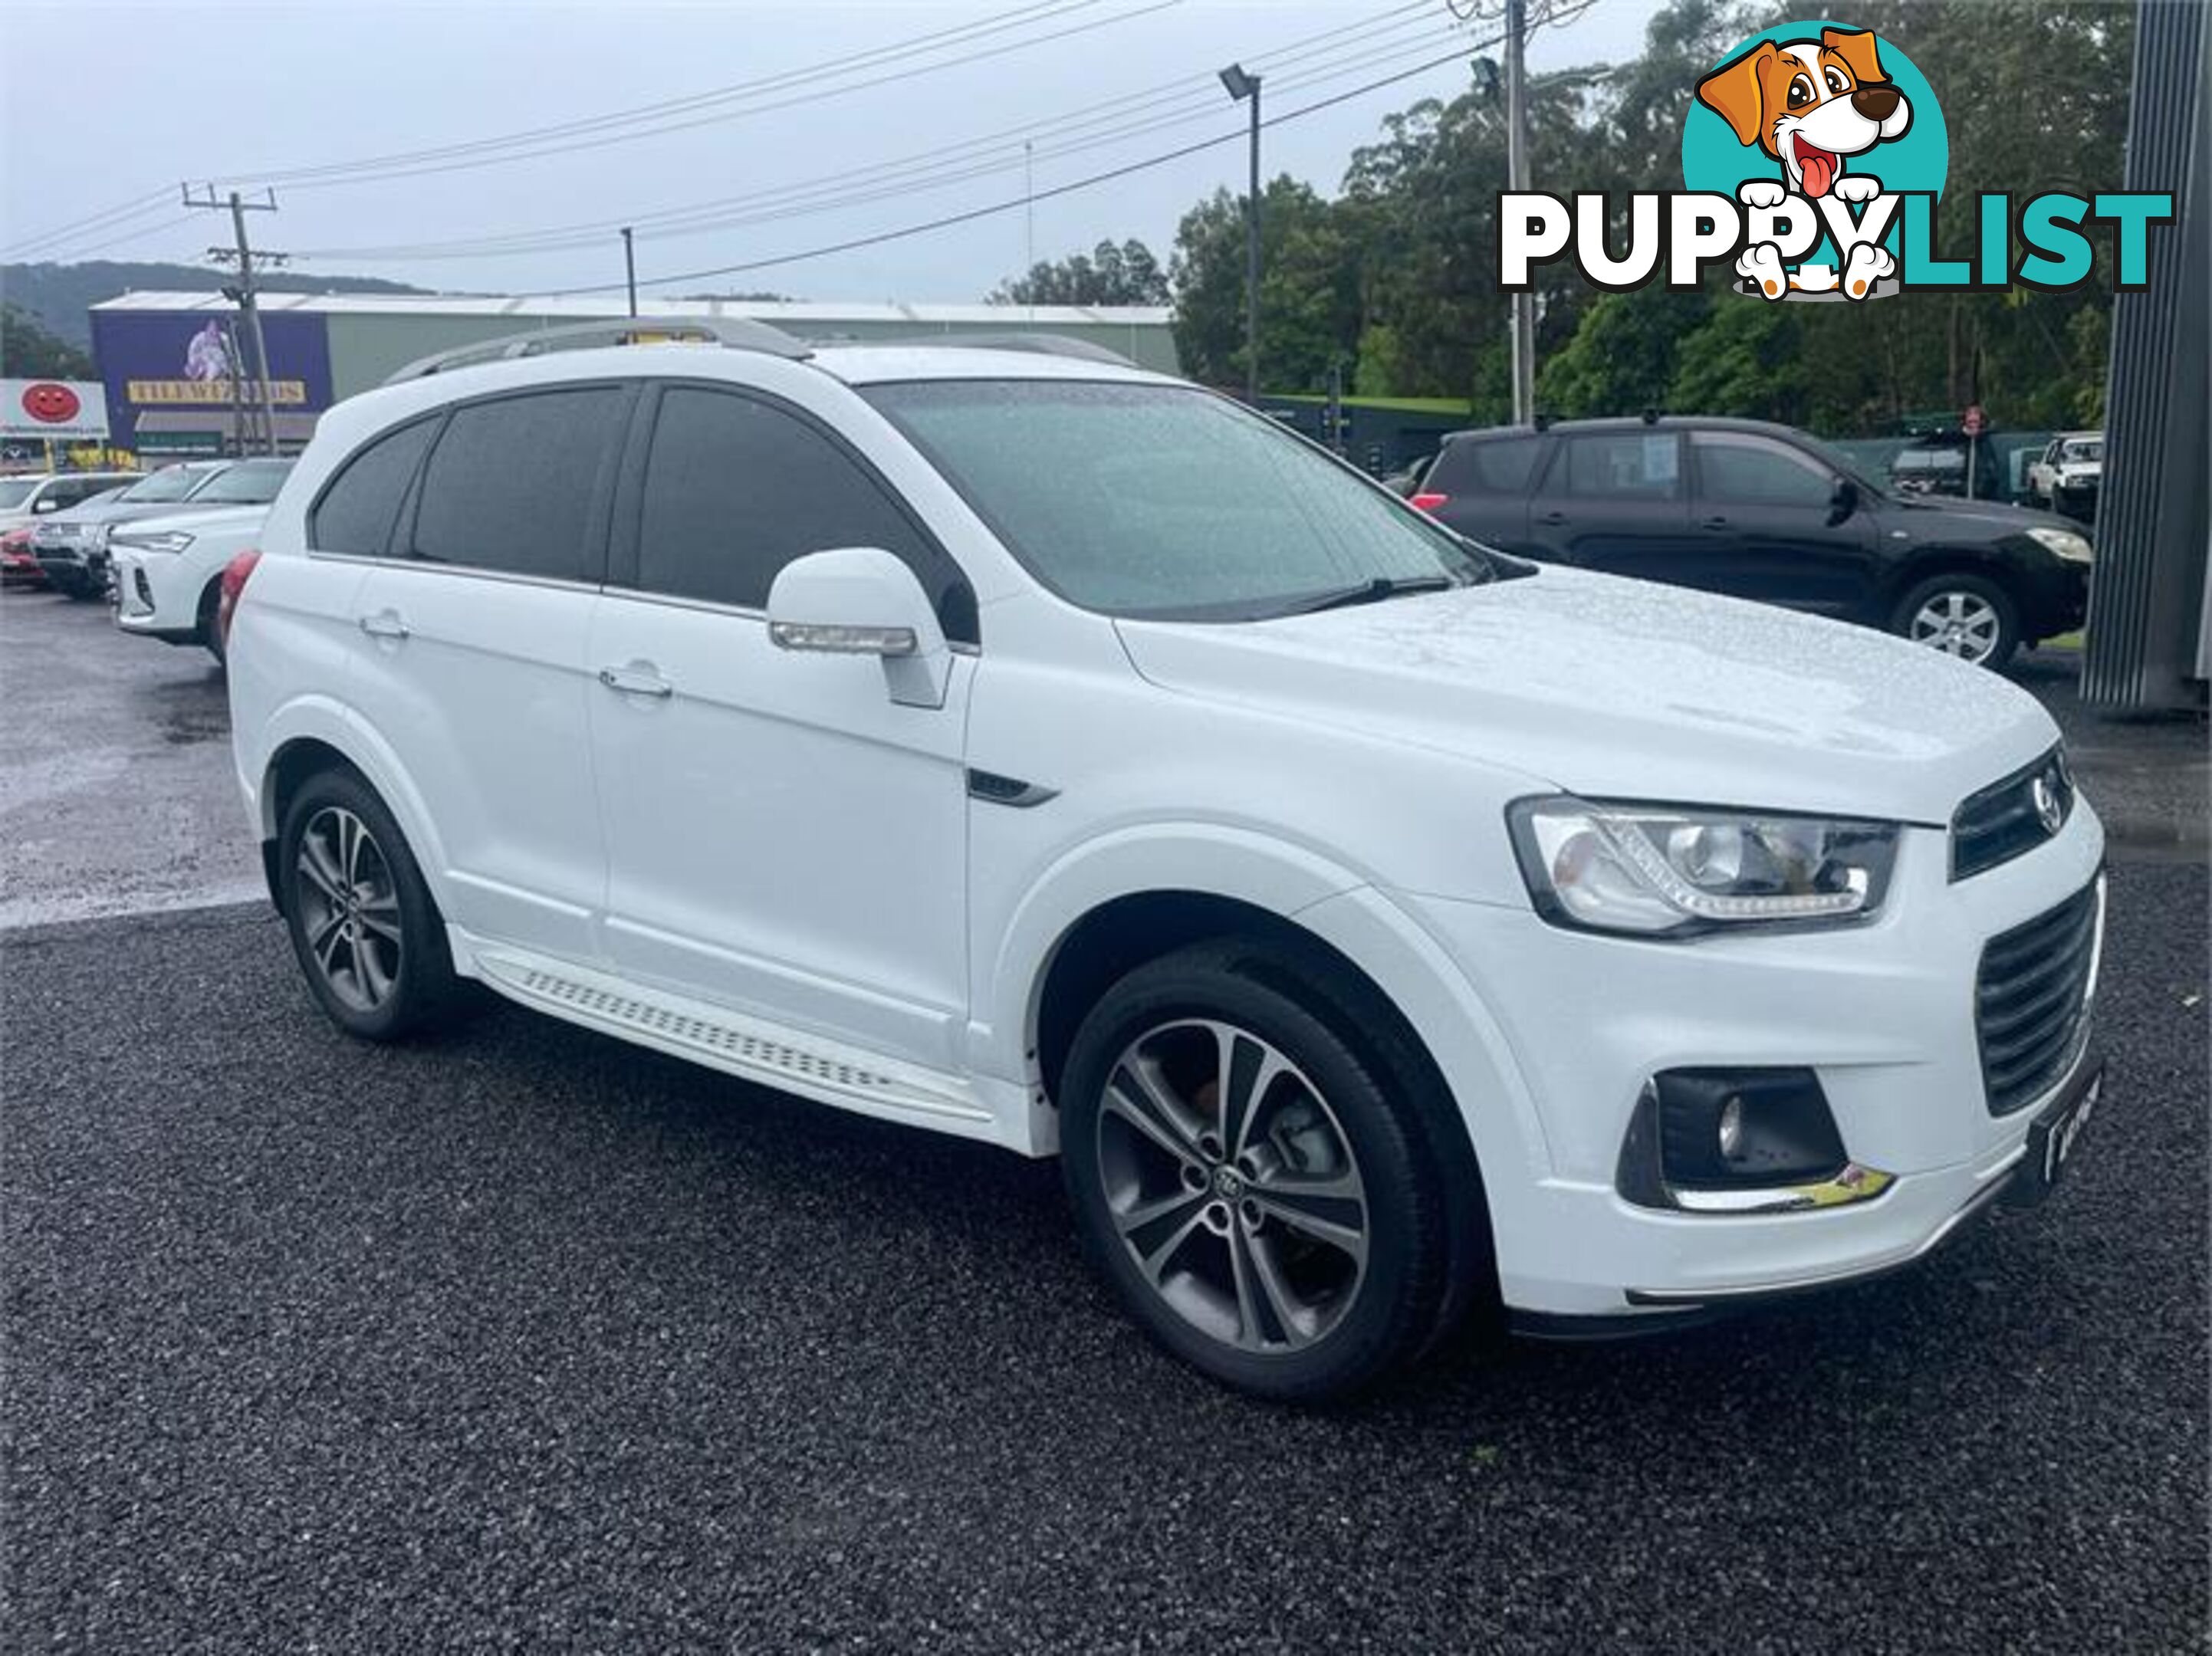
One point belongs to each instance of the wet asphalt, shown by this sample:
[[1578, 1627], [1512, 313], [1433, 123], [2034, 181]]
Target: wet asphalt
[[527, 1338]]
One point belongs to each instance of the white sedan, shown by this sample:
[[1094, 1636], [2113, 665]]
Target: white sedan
[[167, 572]]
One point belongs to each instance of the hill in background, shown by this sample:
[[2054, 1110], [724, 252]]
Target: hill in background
[[57, 296]]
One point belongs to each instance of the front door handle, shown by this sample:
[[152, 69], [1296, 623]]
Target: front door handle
[[1714, 523], [1552, 518], [639, 678], [385, 623]]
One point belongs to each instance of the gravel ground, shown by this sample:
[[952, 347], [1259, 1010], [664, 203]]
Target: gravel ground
[[530, 1338]]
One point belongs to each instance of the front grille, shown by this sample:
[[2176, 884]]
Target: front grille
[[2013, 815], [2030, 999]]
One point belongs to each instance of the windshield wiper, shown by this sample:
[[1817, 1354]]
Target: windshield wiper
[[1374, 589]]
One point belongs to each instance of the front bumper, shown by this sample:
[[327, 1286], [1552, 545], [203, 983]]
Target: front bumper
[[154, 594], [1883, 1013]]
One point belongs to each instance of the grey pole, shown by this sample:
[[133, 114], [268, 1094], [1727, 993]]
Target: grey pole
[[1252, 264], [1516, 177], [253, 308], [629, 268]]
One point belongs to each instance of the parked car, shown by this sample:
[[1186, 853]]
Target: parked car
[[26, 499], [72, 546], [2069, 472], [18, 566], [167, 572], [1059, 755], [1764, 511]]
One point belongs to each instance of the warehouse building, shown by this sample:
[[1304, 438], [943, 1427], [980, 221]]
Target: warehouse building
[[172, 361]]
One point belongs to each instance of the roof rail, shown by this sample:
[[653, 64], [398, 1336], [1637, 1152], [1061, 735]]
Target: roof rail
[[1044, 344], [732, 333]]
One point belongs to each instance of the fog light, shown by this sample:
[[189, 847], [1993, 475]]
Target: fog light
[[1739, 1141]]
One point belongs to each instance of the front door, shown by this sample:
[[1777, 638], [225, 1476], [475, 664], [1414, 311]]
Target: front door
[[782, 838], [1767, 512]]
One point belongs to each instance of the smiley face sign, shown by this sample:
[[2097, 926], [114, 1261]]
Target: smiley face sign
[[74, 409], [51, 403]]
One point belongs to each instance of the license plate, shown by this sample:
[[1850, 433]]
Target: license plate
[[2054, 1135]]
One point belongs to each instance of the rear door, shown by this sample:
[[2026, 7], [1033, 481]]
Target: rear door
[[1616, 500], [469, 656], [1765, 512], [1479, 486]]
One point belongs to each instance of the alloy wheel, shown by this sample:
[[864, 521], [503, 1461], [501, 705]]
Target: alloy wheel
[[1232, 1186], [349, 908], [1962, 624]]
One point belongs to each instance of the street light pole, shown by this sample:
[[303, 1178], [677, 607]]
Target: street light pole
[[629, 268], [1516, 180], [1245, 88]]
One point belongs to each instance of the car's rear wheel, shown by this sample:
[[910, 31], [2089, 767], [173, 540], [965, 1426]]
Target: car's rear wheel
[[1247, 1180], [1969, 617], [363, 923]]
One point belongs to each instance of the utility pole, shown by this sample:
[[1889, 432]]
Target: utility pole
[[1028, 221], [1244, 87], [248, 298], [1516, 179], [629, 267]]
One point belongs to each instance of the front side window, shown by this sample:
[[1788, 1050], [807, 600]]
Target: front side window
[[171, 483], [1758, 471], [735, 488], [1625, 466], [511, 483], [358, 510], [1165, 502], [249, 482]]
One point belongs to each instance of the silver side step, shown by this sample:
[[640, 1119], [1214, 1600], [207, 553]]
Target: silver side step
[[751, 1048]]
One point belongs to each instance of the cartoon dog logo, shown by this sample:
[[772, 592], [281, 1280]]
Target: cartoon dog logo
[[1811, 105]]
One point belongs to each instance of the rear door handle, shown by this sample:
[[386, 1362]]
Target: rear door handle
[[1714, 523], [1552, 518], [639, 678], [385, 623]]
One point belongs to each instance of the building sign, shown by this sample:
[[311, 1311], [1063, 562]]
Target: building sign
[[190, 369], [53, 410]]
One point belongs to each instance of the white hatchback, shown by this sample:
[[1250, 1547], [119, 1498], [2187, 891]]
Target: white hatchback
[[1029, 748]]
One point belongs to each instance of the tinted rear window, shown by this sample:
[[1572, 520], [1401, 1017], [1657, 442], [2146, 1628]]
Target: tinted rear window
[[1490, 465], [1626, 466], [511, 483], [356, 511]]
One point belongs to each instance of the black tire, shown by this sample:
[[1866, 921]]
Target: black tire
[[1360, 1320], [77, 589], [393, 988], [210, 624], [1970, 595]]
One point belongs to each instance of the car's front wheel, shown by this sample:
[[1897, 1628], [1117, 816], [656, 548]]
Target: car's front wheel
[[1247, 1180], [363, 923], [1969, 617]]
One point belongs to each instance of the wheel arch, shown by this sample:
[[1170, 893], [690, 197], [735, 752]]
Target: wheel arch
[[311, 735]]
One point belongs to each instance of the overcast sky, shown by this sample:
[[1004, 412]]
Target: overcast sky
[[107, 106]]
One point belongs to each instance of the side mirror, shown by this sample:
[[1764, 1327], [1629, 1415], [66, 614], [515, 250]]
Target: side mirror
[[862, 601], [46, 503], [1843, 501]]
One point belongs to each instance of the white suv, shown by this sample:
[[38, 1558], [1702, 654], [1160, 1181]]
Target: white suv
[[166, 574], [1050, 753]]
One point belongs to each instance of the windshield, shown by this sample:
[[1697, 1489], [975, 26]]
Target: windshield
[[174, 483], [249, 482], [14, 491], [2089, 450], [1166, 501]]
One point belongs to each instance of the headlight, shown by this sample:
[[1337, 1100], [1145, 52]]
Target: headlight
[[2062, 543], [174, 541], [1664, 871]]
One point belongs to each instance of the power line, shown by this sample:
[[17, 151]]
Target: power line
[[1069, 188], [372, 169], [92, 224], [962, 33], [854, 186]]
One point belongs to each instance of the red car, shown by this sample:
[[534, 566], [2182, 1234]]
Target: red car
[[17, 566]]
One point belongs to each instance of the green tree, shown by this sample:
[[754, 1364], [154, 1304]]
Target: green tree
[[1310, 312], [27, 351], [1123, 274], [1622, 357]]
